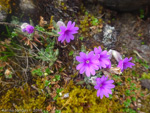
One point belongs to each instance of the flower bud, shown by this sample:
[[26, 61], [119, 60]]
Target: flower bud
[[115, 54]]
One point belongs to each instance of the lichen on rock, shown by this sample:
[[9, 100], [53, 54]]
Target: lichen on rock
[[4, 9]]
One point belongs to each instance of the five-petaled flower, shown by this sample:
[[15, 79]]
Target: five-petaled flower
[[104, 86], [66, 33], [103, 58], [124, 64], [88, 63]]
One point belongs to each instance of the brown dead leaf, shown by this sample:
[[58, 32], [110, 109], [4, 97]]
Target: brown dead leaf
[[42, 21], [115, 70], [49, 107]]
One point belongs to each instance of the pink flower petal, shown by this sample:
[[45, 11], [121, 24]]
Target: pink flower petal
[[79, 66], [83, 55], [98, 92], [82, 70], [90, 55], [87, 71], [62, 28], [79, 59], [92, 70], [69, 25]]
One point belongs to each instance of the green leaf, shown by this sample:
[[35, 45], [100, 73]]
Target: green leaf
[[142, 43], [110, 96], [58, 111], [8, 31], [95, 21], [44, 111], [141, 94], [39, 28], [141, 13], [14, 34], [49, 54], [86, 13], [81, 38], [139, 34], [1, 74], [127, 103], [71, 52], [55, 97], [48, 71], [145, 65], [59, 90], [128, 100], [47, 82], [127, 92], [134, 98], [37, 72], [57, 77], [116, 77], [119, 83], [129, 79]]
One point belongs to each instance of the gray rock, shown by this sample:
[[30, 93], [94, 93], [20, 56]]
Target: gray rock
[[27, 9], [98, 36], [145, 51], [146, 83], [109, 36], [3, 14], [123, 5], [26, 5]]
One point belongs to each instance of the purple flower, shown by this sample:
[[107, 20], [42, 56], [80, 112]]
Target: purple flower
[[67, 32], [25, 27], [104, 86], [103, 58], [29, 29], [88, 63], [24, 30], [108, 65], [124, 64]]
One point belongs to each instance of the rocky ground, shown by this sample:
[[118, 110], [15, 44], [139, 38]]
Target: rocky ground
[[126, 32]]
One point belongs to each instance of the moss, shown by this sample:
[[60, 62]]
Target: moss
[[145, 104], [82, 100], [146, 75], [87, 23], [22, 98]]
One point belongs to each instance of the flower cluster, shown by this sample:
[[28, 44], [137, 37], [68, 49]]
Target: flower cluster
[[94, 60], [99, 59], [25, 27]]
